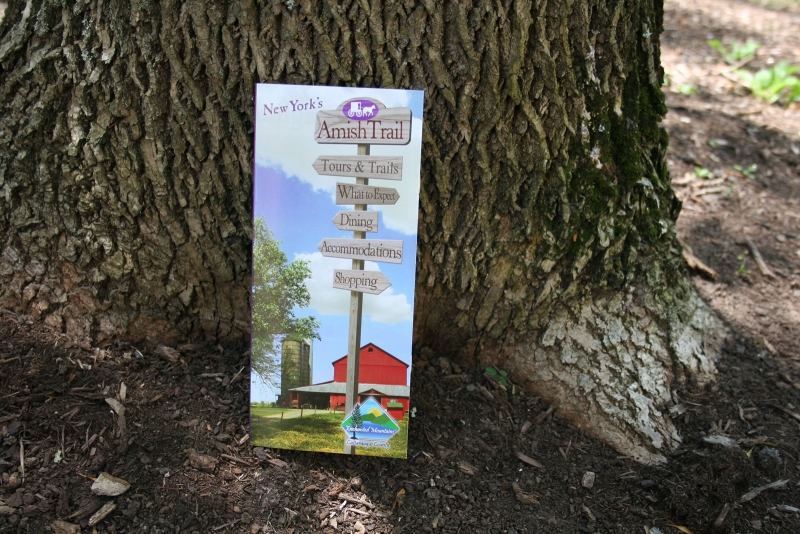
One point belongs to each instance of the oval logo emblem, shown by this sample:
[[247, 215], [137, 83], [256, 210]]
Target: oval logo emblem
[[360, 110]]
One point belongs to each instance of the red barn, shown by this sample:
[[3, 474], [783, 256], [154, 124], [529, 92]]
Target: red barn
[[380, 375]]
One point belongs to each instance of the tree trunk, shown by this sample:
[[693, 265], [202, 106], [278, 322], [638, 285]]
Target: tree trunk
[[547, 244]]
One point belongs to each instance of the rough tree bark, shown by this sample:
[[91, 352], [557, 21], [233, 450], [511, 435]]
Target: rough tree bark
[[547, 244]]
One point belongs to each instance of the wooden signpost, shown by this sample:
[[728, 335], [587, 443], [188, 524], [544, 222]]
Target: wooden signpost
[[372, 282], [383, 167], [384, 250], [365, 194], [362, 121], [364, 221]]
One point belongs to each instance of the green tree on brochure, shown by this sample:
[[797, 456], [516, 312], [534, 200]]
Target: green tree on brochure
[[278, 287]]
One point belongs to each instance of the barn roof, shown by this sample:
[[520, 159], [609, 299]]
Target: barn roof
[[377, 347], [338, 388]]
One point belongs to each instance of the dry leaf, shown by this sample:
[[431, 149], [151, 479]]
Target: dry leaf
[[398, 499], [168, 353], [62, 527], [203, 462], [467, 467], [118, 407], [524, 498], [530, 461], [336, 489], [109, 485]]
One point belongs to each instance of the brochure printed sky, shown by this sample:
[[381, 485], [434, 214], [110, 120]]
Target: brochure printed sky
[[298, 205]]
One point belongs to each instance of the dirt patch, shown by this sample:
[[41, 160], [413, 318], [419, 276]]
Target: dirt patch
[[506, 464], [498, 463]]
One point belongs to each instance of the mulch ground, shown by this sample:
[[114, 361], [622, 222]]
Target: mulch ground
[[174, 422]]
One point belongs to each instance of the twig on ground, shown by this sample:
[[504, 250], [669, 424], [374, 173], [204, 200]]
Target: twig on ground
[[235, 459], [722, 515], [119, 409], [102, 513], [787, 508], [762, 266], [542, 416], [727, 75], [696, 264], [717, 439], [778, 484], [235, 377], [785, 410], [355, 501], [227, 524], [741, 63], [790, 380], [22, 459]]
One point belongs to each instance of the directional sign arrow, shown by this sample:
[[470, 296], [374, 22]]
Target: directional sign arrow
[[372, 282], [365, 194], [359, 221], [384, 250], [382, 167]]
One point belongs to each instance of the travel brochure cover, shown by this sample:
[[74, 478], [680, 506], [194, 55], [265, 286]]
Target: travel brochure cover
[[335, 206]]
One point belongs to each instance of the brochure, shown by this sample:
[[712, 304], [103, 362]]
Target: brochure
[[335, 206]]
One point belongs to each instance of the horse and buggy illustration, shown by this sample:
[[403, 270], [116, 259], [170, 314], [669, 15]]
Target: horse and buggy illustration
[[360, 111]]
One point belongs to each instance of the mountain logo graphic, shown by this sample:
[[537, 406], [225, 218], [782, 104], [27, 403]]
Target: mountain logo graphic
[[369, 424]]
